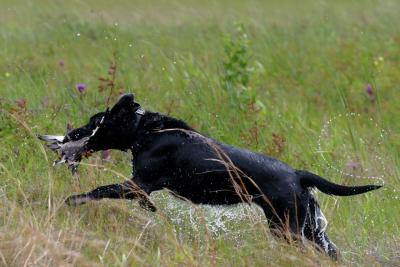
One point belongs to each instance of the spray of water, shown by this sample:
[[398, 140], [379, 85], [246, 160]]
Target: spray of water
[[362, 142], [222, 222]]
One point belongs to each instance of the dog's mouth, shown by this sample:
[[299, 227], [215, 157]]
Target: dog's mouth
[[70, 151]]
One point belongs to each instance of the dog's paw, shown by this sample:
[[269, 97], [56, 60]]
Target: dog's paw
[[147, 205], [151, 208], [77, 200]]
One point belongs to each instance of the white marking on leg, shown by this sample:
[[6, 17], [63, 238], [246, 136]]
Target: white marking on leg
[[325, 243], [320, 221], [321, 225]]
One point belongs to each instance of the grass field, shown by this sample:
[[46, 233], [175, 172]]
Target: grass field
[[314, 84]]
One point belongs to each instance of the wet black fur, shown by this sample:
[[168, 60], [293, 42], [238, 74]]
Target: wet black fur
[[167, 153]]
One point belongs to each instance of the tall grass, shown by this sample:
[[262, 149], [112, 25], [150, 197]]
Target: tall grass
[[308, 66]]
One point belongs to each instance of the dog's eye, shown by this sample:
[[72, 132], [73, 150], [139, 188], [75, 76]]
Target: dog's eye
[[97, 123]]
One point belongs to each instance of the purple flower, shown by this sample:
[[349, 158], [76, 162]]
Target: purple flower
[[353, 165], [81, 87], [370, 92], [106, 155], [21, 102], [61, 63], [45, 101]]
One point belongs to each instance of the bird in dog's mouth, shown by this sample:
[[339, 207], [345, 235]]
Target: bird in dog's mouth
[[69, 152]]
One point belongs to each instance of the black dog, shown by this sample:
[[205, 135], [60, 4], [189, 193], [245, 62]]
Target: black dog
[[167, 153]]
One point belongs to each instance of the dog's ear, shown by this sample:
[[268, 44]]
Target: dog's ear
[[126, 103]]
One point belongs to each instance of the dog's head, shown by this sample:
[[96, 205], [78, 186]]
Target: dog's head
[[112, 129]]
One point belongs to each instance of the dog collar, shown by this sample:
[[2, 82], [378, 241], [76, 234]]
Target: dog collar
[[138, 116], [140, 111]]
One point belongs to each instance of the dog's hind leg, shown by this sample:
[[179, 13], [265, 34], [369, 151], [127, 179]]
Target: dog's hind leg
[[286, 219], [314, 229], [283, 223], [125, 190]]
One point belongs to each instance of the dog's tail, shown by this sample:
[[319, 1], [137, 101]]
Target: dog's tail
[[308, 179]]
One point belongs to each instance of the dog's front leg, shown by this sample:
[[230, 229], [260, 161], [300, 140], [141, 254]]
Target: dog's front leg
[[146, 189], [125, 190]]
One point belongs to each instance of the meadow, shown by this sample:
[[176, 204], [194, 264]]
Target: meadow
[[315, 84]]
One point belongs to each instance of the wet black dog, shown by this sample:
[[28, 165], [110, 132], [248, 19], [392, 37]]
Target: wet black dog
[[167, 153]]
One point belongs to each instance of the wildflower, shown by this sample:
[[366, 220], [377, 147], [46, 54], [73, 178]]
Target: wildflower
[[81, 87], [106, 155], [370, 92], [45, 101], [61, 63], [22, 102], [353, 165], [7, 74]]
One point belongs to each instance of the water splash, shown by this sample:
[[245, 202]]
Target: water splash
[[221, 222], [362, 141]]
